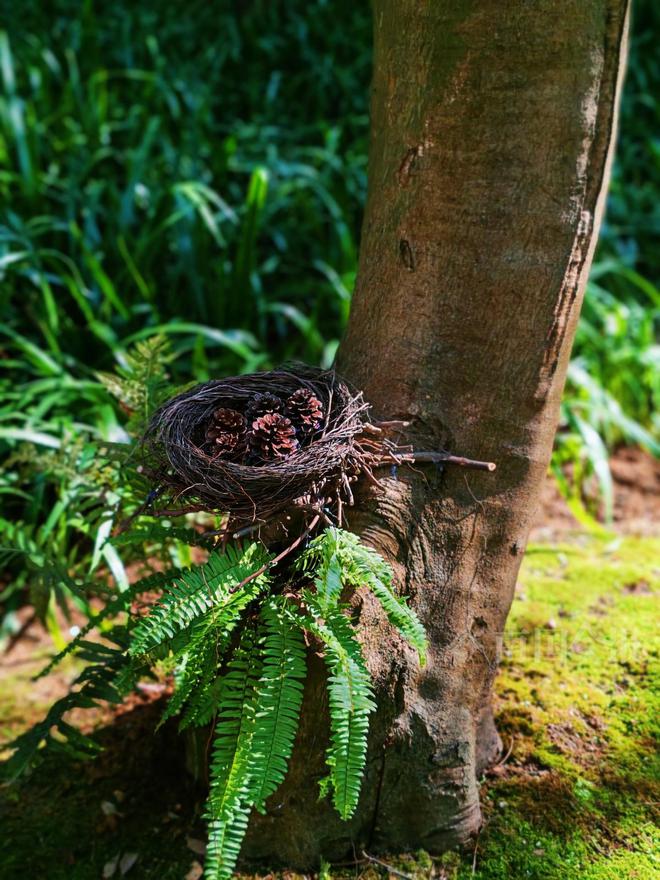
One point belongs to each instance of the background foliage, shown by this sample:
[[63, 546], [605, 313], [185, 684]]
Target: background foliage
[[198, 171]]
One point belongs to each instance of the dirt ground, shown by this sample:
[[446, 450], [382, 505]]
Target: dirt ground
[[572, 797], [636, 476]]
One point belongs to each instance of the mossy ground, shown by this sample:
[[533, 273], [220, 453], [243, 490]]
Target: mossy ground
[[578, 703], [575, 798]]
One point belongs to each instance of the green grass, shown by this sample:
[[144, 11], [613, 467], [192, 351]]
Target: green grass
[[577, 699], [205, 172], [165, 169], [186, 165]]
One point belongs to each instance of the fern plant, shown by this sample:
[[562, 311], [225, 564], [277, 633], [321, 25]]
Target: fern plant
[[235, 637], [65, 484], [141, 383]]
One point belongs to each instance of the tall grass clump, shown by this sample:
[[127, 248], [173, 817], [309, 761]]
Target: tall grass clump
[[192, 172]]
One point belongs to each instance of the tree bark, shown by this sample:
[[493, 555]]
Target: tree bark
[[492, 132]]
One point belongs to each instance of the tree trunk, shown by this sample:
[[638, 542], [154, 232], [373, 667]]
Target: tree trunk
[[492, 132]]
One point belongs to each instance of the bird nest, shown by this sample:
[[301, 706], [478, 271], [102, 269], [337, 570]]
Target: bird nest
[[254, 447], [247, 481]]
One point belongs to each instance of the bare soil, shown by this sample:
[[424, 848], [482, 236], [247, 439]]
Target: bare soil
[[636, 476], [138, 804]]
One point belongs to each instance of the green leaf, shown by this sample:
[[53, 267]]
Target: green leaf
[[198, 589], [351, 702], [280, 692]]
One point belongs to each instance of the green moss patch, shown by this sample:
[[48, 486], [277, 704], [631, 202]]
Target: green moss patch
[[576, 704]]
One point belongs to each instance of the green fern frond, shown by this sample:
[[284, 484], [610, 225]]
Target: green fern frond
[[351, 702], [225, 838], [141, 384], [363, 566], [336, 551], [196, 668], [156, 533], [280, 692], [402, 618], [197, 681], [203, 703], [17, 539], [109, 678], [324, 559], [43, 567], [336, 559], [197, 590], [116, 605], [228, 805]]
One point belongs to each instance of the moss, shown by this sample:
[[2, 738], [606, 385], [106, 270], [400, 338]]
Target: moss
[[575, 701], [577, 697]]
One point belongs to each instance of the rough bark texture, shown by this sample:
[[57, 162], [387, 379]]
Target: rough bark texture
[[492, 127]]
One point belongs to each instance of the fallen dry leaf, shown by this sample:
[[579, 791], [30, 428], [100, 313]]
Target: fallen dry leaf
[[197, 846], [127, 861], [195, 871]]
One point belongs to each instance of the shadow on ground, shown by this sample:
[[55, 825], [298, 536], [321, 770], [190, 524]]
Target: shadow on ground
[[73, 819], [574, 796]]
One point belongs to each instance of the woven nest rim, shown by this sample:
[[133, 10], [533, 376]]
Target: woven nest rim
[[250, 492]]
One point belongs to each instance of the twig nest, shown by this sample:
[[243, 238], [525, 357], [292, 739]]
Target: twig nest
[[252, 446]]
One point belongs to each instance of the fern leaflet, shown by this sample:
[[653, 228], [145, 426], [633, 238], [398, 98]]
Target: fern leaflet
[[228, 805], [142, 383], [328, 572], [155, 533], [337, 553], [118, 603], [198, 589], [351, 702], [197, 665], [362, 566], [280, 691]]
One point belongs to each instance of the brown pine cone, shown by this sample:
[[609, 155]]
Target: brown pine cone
[[272, 436], [227, 434], [262, 404], [305, 411]]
